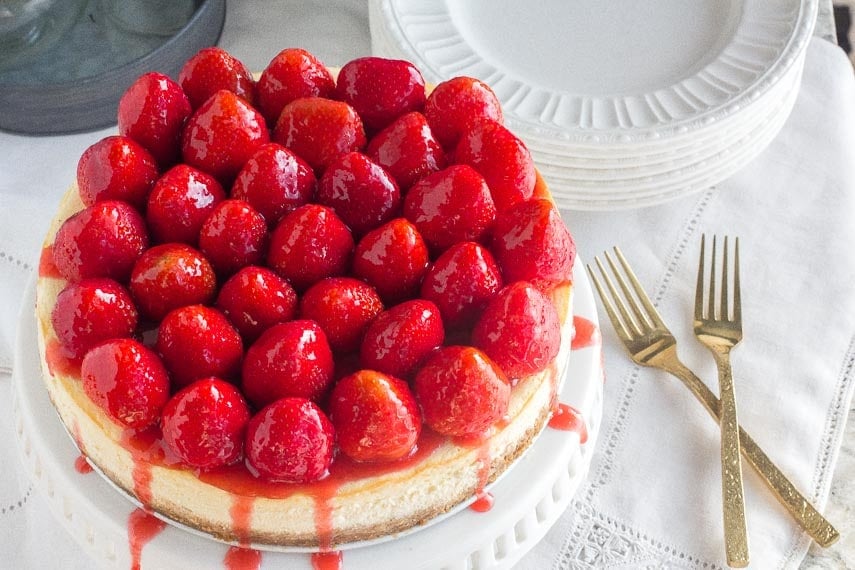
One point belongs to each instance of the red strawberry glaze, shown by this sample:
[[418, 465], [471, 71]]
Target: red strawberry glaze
[[483, 499], [344, 308], [400, 338], [393, 259], [256, 298], [47, 267], [327, 560], [143, 527], [116, 168], [233, 236], [242, 557], [58, 362], [81, 465], [567, 418], [587, 333]]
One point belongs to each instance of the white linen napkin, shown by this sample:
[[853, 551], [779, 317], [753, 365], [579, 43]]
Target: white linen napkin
[[652, 498]]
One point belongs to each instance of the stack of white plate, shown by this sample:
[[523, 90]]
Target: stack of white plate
[[622, 103]]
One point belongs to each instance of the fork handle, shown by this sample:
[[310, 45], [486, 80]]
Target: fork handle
[[800, 508], [733, 494]]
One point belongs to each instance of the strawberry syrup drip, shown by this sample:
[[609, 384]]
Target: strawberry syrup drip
[[58, 363], [327, 560], [142, 528], [567, 418], [242, 557], [587, 333], [81, 465], [47, 267]]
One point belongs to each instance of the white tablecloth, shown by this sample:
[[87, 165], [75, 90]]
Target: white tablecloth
[[652, 497]]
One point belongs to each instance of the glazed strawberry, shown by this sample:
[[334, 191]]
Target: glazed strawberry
[[116, 168], [375, 416], [204, 424], [152, 112], [233, 236], [254, 299], [393, 259], [519, 330], [92, 311], [450, 206], [501, 158], [290, 441], [212, 69], [169, 276], [289, 359], [222, 135], [461, 391], [103, 240], [275, 181], [381, 90], [197, 341], [361, 192], [461, 282], [127, 380], [401, 337], [343, 307], [455, 103], [179, 203], [531, 243], [292, 74], [407, 149], [319, 130], [309, 244]]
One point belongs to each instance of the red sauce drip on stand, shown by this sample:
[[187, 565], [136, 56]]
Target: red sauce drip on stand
[[81, 465], [242, 557], [142, 528], [567, 418], [587, 333]]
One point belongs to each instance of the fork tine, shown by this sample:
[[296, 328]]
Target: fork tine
[[632, 326], [619, 326], [652, 314], [699, 288], [640, 317], [737, 297], [711, 298]]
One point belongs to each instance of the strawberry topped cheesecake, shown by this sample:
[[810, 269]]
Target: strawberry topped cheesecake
[[305, 309]]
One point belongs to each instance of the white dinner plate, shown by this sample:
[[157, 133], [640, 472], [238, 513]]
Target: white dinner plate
[[529, 498]]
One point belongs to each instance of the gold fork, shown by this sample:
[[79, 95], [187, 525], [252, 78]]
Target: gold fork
[[720, 329], [650, 343]]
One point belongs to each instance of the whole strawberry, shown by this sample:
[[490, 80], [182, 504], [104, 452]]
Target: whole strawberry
[[461, 391], [293, 74], [309, 244], [319, 130], [457, 102], [407, 149], [360, 192], [91, 311], [126, 380], [254, 299], [222, 135], [275, 181], [204, 424], [519, 330], [393, 259], [169, 276], [289, 359], [116, 168], [400, 338], [211, 70], [450, 206], [290, 441], [179, 203], [343, 307], [197, 341], [531, 243], [103, 240], [375, 416], [234, 235], [501, 158], [153, 111], [461, 282], [381, 90]]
